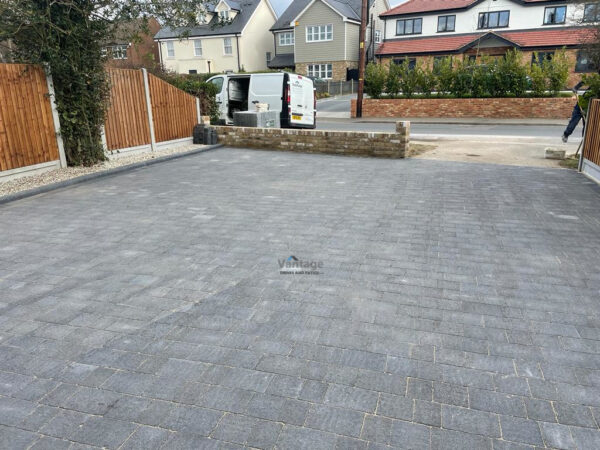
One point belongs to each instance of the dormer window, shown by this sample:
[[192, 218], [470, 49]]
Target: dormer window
[[224, 15], [202, 18], [555, 15]]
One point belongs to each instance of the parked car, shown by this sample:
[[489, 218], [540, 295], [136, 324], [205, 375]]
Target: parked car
[[292, 95]]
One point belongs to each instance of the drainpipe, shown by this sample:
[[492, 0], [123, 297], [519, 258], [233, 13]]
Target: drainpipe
[[160, 53], [237, 44]]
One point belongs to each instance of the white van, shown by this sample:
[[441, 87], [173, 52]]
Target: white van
[[293, 96]]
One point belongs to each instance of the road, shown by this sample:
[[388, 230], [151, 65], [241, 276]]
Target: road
[[547, 133]]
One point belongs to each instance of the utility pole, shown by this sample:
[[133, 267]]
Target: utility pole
[[361, 58]]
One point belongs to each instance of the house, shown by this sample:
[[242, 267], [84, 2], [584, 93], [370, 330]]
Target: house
[[320, 38], [232, 35], [133, 46], [425, 31]]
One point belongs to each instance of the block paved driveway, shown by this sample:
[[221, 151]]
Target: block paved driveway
[[458, 307]]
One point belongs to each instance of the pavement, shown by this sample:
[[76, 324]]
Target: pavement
[[454, 306]]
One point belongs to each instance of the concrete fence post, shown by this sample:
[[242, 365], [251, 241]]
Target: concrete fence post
[[56, 121], [341, 87], [352, 85], [103, 139], [149, 107], [198, 112]]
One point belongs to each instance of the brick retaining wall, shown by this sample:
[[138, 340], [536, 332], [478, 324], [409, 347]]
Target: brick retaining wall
[[382, 145], [492, 108]]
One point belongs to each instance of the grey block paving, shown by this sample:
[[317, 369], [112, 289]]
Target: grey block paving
[[457, 307]]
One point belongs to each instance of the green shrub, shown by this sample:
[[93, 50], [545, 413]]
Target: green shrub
[[461, 80], [445, 75], [557, 72], [409, 79], [427, 81], [482, 78], [392, 82], [375, 77], [537, 79]]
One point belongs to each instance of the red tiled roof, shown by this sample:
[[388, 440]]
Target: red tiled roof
[[552, 37], [426, 45], [419, 6]]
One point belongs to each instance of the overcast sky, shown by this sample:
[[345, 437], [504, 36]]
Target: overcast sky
[[280, 5]]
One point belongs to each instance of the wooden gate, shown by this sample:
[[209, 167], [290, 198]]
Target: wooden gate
[[27, 124], [591, 147]]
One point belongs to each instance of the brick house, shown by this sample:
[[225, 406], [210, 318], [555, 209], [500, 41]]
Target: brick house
[[425, 31], [131, 48]]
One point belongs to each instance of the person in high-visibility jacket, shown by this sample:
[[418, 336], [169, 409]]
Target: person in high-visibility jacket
[[579, 110]]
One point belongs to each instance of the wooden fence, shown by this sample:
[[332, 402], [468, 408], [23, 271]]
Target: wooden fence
[[145, 111], [127, 118], [27, 120], [590, 162]]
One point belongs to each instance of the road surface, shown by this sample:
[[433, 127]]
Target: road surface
[[547, 133]]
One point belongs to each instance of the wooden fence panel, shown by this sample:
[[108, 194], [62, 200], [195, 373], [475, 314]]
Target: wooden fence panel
[[173, 110], [127, 117], [591, 149], [27, 135]]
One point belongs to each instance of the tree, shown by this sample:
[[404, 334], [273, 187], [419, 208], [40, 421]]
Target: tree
[[590, 17], [66, 36]]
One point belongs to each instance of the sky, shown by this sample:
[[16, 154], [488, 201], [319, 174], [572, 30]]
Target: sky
[[281, 5]]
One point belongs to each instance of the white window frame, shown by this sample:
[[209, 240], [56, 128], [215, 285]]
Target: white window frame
[[224, 15], [198, 47], [378, 36], [321, 30], [225, 46], [323, 71], [286, 38], [269, 57], [170, 49]]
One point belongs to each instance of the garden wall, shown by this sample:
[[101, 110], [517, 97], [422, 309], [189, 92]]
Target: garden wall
[[492, 108], [382, 145]]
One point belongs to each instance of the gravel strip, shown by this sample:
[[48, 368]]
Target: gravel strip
[[53, 176]]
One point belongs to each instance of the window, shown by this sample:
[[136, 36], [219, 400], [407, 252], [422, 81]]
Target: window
[[446, 23], [268, 58], [320, 71], [591, 13], [197, 47], [201, 17], [116, 51], [377, 36], [218, 82], [584, 63], [192, 71], [554, 15], [409, 26], [316, 33], [170, 49], [224, 15], [227, 48], [541, 57], [286, 38], [412, 62], [496, 19]]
